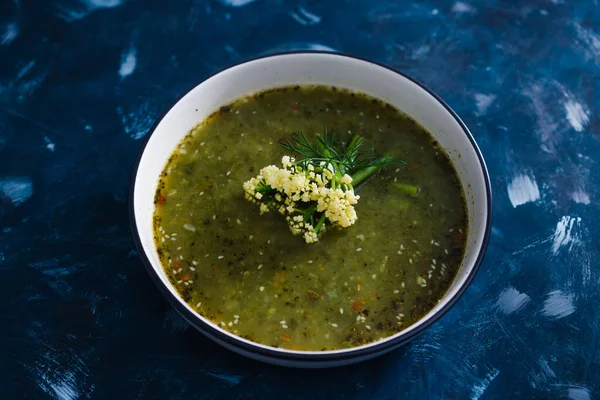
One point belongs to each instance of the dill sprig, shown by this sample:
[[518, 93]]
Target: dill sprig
[[354, 159]]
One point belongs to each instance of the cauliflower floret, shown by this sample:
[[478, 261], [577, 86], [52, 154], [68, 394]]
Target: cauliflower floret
[[295, 186]]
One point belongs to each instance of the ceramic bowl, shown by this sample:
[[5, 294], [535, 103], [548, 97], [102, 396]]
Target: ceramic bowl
[[285, 69]]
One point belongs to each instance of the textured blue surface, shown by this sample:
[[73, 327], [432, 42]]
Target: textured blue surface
[[81, 82]]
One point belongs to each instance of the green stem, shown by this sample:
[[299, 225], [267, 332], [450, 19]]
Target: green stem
[[319, 224], [411, 190], [361, 175]]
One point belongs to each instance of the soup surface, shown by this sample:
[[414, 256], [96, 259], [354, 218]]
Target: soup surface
[[249, 274]]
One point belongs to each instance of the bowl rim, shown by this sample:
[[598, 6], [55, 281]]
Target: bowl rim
[[300, 356]]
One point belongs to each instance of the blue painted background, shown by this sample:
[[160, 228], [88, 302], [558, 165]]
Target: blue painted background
[[81, 82]]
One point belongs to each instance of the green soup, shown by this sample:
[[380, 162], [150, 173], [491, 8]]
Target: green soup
[[249, 274]]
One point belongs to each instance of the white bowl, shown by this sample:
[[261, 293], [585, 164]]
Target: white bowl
[[331, 69]]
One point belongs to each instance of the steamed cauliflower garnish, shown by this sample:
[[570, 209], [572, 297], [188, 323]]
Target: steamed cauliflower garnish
[[304, 196], [316, 192]]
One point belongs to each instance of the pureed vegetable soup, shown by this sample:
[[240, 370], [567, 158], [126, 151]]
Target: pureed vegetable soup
[[249, 274]]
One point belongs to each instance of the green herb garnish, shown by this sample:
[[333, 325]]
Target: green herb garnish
[[316, 190]]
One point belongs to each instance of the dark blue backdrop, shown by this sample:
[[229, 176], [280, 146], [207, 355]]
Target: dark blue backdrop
[[81, 82]]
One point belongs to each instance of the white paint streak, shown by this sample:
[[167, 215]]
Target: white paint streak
[[305, 17], [103, 3], [577, 114], [128, 63], [461, 8], [137, 124], [26, 82], [510, 300], [580, 196], [49, 145], [479, 388], [11, 31], [483, 102], [18, 190], [235, 3], [558, 305], [578, 393], [564, 235], [591, 40], [523, 189], [84, 8], [546, 370]]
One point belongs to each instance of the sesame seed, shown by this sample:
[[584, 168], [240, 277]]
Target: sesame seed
[[431, 241], [402, 284], [368, 327], [181, 257], [262, 288], [374, 276], [201, 193], [192, 269], [194, 262], [173, 234], [228, 173], [460, 230], [396, 291], [173, 239], [282, 322], [410, 260], [284, 326], [236, 316], [359, 249], [446, 251], [214, 217], [162, 240], [401, 247], [167, 236], [190, 282], [414, 241], [433, 261], [198, 305], [206, 255], [437, 244], [220, 257], [179, 248], [341, 310], [310, 261], [334, 325], [230, 324], [260, 266], [399, 252], [202, 144], [238, 221]]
